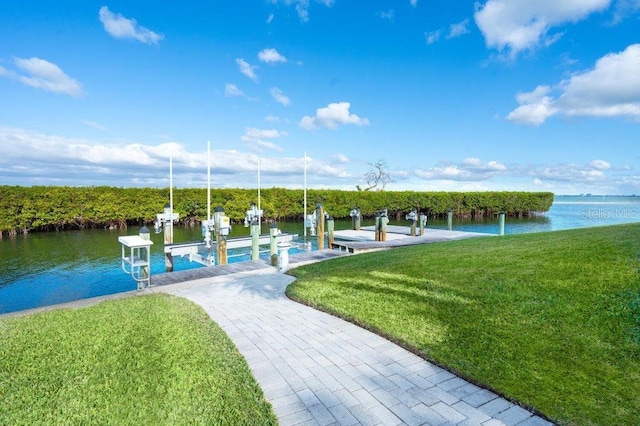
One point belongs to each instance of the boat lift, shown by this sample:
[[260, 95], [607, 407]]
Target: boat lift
[[136, 257]]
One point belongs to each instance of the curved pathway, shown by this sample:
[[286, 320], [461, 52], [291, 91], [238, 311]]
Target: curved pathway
[[317, 369]]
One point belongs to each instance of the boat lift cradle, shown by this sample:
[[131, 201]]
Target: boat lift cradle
[[137, 261]]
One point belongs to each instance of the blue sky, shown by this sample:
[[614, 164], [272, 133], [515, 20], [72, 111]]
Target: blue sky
[[450, 95]]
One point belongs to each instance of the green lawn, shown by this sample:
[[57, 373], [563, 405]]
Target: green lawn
[[551, 320], [152, 360]]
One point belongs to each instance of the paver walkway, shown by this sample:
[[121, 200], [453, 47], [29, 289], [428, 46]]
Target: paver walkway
[[317, 369]]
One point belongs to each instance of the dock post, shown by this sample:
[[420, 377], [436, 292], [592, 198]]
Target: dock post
[[320, 225], [423, 223], [144, 270], [377, 227], [255, 240], [273, 243], [450, 220], [168, 237], [330, 229], [384, 219], [501, 221], [355, 218], [283, 258], [222, 230], [412, 217]]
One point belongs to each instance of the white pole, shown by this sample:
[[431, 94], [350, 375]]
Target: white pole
[[171, 195], [208, 182], [304, 216], [259, 218]]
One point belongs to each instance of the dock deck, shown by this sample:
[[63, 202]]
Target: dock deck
[[363, 240], [345, 242], [237, 267]]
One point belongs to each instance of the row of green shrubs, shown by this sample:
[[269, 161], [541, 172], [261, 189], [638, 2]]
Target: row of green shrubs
[[46, 208]]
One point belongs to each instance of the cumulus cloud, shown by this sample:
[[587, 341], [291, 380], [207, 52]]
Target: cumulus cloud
[[33, 158], [575, 173], [340, 158], [247, 69], [120, 27], [45, 75], [515, 26], [232, 90], [271, 56], [279, 97], [332, 116], [257, 138], [611, 88], [469, 170]]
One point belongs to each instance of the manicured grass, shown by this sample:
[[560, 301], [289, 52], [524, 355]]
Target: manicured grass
[[155, 359], [551, 320]]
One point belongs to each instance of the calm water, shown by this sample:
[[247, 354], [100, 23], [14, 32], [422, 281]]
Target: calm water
[[48, 268]]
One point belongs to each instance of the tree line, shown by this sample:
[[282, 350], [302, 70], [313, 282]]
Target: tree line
[[54, 208]]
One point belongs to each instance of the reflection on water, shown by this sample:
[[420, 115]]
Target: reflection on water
[[49, 268]]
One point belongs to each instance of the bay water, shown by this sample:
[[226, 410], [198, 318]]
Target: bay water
[[42, 269]]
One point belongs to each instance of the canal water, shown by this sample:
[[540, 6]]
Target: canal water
[[43, 269]]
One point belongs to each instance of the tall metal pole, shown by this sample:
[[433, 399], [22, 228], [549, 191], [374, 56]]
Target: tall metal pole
[[208, 182], [304, 216], [171, 196], [259, 218]]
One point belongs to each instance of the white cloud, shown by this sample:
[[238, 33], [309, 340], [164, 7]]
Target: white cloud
[[413, 3], [120, 27], [42, 74], [94, 125], [261, 138], [271, 56], [340, 158], [332, 116], [388, 15], [302, 6], [32, 158], [600, 165], [270, 18], [232, 90], [279, 97], [432, 37], [469, 170], [569, 173], [272, 119], [515, 25], [611, 88], [247, 69], [456, 30], [624, 8]]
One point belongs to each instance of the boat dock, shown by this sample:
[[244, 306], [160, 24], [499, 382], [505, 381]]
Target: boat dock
[[363, 240], [345, 242], [298, 259]]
